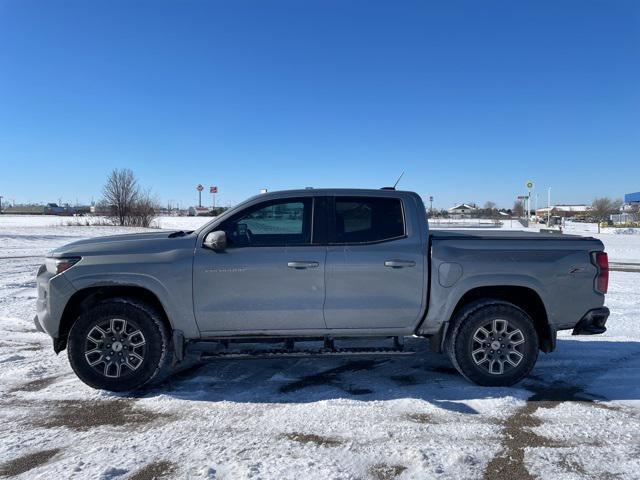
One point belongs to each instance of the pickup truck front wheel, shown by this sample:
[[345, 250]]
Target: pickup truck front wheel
[[493, 344], [118, 345]]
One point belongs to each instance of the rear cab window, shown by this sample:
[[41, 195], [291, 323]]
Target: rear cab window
[[361, 220]]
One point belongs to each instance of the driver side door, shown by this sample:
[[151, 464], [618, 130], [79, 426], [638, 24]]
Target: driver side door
[[270, 277]]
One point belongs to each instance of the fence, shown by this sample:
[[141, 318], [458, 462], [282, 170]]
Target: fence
[[625, 218], [464, 223]]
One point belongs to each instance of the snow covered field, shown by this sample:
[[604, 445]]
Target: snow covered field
[[185, 223], [577, 416]]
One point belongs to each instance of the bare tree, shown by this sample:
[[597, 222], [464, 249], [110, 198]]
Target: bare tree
[[127, 203], [121, 192], [489, 209], [602, 207], [518, 209], [144, 209]]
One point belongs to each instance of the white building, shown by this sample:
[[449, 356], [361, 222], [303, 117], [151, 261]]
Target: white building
[[462, 210], [564, 211]]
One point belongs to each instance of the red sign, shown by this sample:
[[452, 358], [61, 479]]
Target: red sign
[[199, 188], [213, 189]]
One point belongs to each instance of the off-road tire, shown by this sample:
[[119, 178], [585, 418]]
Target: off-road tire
[[460, 343], [156, 363]]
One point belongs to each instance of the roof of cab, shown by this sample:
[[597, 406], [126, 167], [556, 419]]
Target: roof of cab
[[337, 191]]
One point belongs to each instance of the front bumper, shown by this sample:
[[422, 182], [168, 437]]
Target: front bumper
[[37, 324], [54, 291], [593, 322]]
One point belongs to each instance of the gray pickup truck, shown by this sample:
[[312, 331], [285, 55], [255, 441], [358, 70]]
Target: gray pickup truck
[[306, 272]]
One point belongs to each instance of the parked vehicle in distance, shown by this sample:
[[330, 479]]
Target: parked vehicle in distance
[[324, 266]]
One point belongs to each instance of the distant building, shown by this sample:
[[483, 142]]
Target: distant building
[[24, 210], [629, 212], [101, 209], [199, 211], [462, 210], [54, 209], [619, 218], [632, 197], [48, 209], [564, 211]]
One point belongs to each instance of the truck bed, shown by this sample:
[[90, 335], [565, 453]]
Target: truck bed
[[558, 268]]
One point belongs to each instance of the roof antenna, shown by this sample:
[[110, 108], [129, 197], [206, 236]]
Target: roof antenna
[[398, 181], [395, 184]]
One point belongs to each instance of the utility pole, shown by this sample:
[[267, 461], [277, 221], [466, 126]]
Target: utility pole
[[213, 190], [530, 186], [430, 204], [549, 207]]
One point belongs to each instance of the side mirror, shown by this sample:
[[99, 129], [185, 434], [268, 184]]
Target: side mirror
[[216, 241]]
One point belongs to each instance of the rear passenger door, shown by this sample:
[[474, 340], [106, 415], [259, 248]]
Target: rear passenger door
[[375, 267]]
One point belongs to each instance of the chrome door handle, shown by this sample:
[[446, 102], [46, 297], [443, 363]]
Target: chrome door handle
[[302, 265], [399, 263]]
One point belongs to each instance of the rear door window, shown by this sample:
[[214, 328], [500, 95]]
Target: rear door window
[[366, 219]]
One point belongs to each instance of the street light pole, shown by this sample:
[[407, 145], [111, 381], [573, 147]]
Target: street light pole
[[549, 207]]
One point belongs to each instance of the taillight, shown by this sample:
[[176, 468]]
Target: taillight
[[602, 278]]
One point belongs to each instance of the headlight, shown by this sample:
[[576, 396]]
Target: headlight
[[59, 265]]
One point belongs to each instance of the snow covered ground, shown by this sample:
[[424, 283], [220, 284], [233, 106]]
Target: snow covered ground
[[168, 223], [577, 416]]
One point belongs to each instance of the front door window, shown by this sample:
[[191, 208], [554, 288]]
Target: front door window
[[272, 224]]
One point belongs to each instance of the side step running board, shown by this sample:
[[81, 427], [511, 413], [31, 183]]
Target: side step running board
[[320, 352]]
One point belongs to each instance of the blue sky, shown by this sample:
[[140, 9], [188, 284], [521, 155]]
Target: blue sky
[[470, 98]]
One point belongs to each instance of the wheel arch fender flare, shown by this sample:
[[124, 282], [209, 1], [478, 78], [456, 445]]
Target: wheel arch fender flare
[[522, 291], [137, 287]]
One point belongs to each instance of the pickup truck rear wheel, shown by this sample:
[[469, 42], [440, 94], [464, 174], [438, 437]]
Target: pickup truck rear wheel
[[118, 345], [493, 344]]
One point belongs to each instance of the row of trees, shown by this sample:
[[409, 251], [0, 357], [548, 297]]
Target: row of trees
[[603, 207], [129, 205]]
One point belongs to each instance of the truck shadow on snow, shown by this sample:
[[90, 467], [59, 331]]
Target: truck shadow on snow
[[583, 370]]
